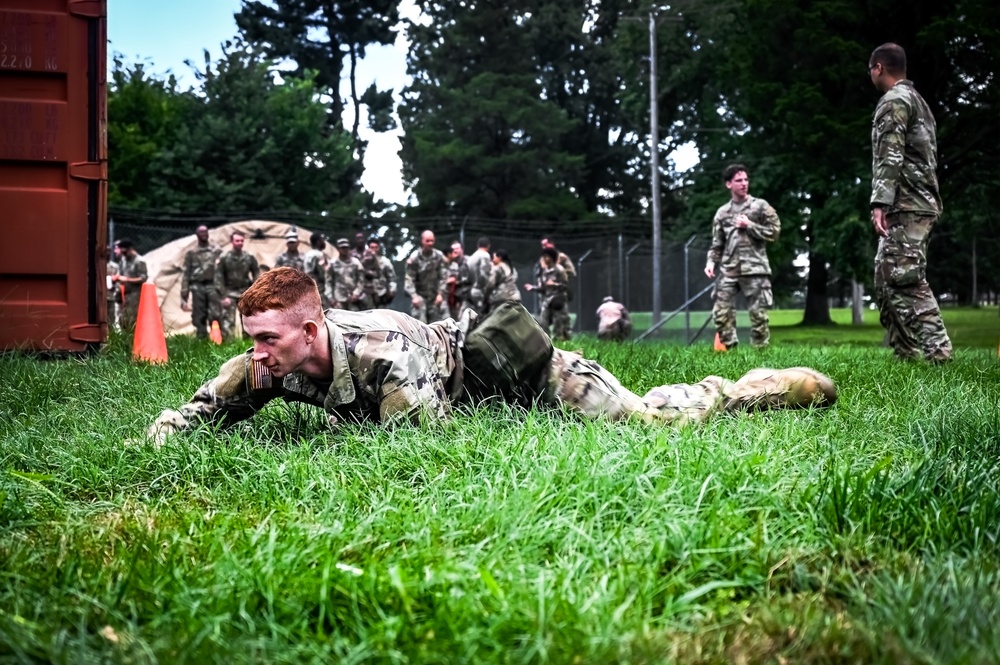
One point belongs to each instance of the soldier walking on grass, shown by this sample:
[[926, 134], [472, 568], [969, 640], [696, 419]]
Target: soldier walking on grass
[[132, 274], [905, 206], [379, 275], [426, 281], [552, 283], [234, 273], [198, 280], [741, 231], [345, 280], [315, 265]]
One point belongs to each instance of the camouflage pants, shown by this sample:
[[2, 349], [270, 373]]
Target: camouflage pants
[[757, 290], [907, 307], [555, 314], [204, 308], [584, 386], [428, 312], [227, 318], [128, 312]]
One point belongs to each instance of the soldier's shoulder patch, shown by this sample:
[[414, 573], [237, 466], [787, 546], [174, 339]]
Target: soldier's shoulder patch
[[260, 376]]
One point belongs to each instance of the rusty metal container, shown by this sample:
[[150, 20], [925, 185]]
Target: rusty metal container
[[53, 174]]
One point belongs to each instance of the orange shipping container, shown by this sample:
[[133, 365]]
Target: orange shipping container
[[53, 174]]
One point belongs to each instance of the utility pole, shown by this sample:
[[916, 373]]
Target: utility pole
[[654, 162]]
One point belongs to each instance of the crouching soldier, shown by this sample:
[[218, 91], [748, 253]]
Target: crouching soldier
[[613, 321], [385, 366]]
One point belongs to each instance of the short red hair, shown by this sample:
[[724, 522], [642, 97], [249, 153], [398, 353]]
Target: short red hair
[[282, 289]]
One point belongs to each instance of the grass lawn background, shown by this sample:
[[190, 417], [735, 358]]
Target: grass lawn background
[[867, 532]]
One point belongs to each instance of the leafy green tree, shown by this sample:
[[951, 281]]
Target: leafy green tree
[[481, 138], [145, 116], [254, 144]]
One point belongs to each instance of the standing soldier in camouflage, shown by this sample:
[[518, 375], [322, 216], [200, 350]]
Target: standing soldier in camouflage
[[905, 205], [613, 321], [552, 284], [459, 282], [360, 246], [345, 288], [291, 258], [741, 231], [480, 264], [565, 263], [198, 280], [131, 276], [315, 265], [234, 273], [426, 281], [380, 276], [502, 284], [385, 366], [114, 293]]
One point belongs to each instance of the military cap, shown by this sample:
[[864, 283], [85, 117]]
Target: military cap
[[293, 234], [343, 242]]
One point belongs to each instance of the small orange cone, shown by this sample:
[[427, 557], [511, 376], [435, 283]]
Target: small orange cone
[[216, 334], [719, 346], [149, 343]]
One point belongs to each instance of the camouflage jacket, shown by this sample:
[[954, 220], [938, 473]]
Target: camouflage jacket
[[199, 268], [481, 267], [502, 285], [296, 260], [133, 268], [552, 282], [234, 273], [463, 278], [344, 281], [738, 251], [379, 275], [385, 365], [426, 275], [315, 265], [904, 153]]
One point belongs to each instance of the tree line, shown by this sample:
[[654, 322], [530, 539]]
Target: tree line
[[538, 110]]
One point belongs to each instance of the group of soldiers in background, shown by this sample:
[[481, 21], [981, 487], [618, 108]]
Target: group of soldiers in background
[[439, 284]]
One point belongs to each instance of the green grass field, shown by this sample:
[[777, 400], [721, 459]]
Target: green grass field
[[864, 533]]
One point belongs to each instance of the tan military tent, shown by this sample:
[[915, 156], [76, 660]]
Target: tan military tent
[[265, 240]]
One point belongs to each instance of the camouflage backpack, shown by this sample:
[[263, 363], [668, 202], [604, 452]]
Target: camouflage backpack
[[507, 355]]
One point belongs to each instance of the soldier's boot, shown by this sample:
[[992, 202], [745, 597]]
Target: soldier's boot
[[780, 388]]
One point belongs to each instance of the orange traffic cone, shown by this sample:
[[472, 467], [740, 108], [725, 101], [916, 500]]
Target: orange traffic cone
[[216, 333], [719, 346], [149, 343]]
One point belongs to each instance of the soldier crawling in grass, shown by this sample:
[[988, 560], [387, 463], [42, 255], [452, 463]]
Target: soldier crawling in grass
[[386, 366]]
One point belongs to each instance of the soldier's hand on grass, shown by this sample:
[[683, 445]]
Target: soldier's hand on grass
[[878, 220]]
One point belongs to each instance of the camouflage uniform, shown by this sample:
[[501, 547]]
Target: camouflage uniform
[[388, 366], [291, 259], [741, 255], [501, 287], [198, 280], [614, 323], [480, 266], [566, 263], [426, 276], [233, 275], [315, 265], [904, 184], [460, 296], [380, 280], [554, 302], [345, 284], [129, 310], [114, 295]]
